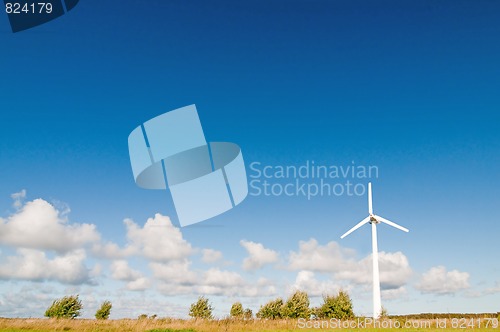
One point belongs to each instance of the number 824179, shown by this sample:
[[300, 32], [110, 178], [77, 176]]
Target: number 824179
[[31, 8]]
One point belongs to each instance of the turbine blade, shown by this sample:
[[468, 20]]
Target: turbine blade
[[390, 223], [370, 205], [361, 223]]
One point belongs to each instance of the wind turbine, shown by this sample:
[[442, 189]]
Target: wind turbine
[[374, 220]]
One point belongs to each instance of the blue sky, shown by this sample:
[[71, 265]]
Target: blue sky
[[410, 87]]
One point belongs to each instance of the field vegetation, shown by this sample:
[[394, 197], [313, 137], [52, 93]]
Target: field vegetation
[[201, 325], [294, 314]]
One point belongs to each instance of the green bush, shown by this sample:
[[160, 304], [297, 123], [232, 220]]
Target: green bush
[[297, 306], [271, 310], [104, 311], [201, 309], [66, 307], [236, 310], [248, 314], [339, 306]]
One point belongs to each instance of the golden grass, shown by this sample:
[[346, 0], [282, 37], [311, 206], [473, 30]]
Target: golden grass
[[168, 325], [129, 325]]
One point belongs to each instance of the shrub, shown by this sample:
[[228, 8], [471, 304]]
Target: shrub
[[248, 314], [104, 311], [339, 306], [142, 316], [66, 307], [271, 310], [201, 309], [236, 310], [297, 306]]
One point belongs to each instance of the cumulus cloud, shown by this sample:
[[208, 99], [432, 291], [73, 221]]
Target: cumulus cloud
[[258, 256], [314, 257], [306, 281], [341, 263], [230, 283], [120, 270], [394, 270], [162, 244], [177, 278], [34, 265], [175, 272], [39, 225], [139, 284], [220, 278], [211, 256], [111, 250], [392, 294], [158, 240], [441, 282]]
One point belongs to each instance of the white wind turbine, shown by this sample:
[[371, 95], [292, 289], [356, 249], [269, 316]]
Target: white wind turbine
[[374, 220]]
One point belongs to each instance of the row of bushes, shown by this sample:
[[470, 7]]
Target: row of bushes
[[337, 306], [296, 306], [70, 307]]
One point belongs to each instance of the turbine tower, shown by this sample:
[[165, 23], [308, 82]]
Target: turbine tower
[[373, 219]]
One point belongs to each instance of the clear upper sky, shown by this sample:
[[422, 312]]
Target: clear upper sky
[[411, 87]]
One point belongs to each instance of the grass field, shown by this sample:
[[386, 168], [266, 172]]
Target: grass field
[[177, 325]]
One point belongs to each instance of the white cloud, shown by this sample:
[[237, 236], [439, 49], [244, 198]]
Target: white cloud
[[230, 283], [493, 290], [139, 284], [111, 250], [34, 265], [258, 255], [177, 278], [175, 272], [306, 281], [340, 262], [395, 293], [440, 281], [220, 278], [120, 270], [18, 198], [159, 241], [394, 270], [211, 256], [38, 225], [314, 257]]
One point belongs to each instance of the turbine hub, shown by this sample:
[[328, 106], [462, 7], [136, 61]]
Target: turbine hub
[[373, 220]]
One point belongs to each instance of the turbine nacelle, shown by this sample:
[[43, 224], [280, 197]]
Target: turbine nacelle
[[373, 220]]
